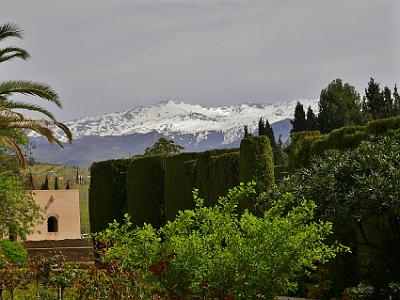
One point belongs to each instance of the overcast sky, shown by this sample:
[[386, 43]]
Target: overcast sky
[[110, 55]]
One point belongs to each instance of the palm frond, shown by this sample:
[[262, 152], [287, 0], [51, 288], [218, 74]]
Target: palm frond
[[9, 104], [9, 142], [13, 52], [27, 87], [10, 30]]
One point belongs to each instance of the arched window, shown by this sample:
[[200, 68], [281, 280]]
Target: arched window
[[52, 224]]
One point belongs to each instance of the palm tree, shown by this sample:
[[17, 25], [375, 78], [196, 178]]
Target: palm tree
[[11, 118]]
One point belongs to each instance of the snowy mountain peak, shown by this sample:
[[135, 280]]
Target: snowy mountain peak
[[173, 117]]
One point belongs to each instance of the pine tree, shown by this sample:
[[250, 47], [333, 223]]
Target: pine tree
[[261, 127], [45, 184], [67, 187], [56, 183], [163, 145], [312, 120], [339, 105], [299, 121], [373, 102]]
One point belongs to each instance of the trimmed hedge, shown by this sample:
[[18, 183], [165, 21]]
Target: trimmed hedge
[[305, 145], [153, 189], [145, 190], [107, 193], [256, 161], [179, 182]]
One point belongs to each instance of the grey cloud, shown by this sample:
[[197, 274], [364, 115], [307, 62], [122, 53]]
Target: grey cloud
[[105, 56]]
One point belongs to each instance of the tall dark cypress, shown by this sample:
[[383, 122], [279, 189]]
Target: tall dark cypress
[[45, 184], [374, 102], [261, 127], [396, 101], [388, 100], [312, 120], [270, 133], [56, 183], [299, 121]]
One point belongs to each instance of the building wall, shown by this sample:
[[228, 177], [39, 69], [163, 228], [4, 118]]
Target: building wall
[[62, 204]]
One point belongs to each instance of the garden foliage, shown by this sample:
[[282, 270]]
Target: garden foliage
[[357, 190], [306, 145], [213, 252]]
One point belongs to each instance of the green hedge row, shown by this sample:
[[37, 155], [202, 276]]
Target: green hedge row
[[306, 145], [107, 193], [153, 189]]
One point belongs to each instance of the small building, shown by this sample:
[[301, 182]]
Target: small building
[[60, 209]]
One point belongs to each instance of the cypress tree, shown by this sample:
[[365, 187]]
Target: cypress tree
[[374, 102], [299, 121], [67, 187], [396, 101], [388, 101], [312, 120], [56, 183], [269, 132], [261, 127], [77, 176], [45, 184]]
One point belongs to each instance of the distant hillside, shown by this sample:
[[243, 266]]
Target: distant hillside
[[196, 127]]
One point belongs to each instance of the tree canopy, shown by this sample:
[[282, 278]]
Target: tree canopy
[[164, 146]]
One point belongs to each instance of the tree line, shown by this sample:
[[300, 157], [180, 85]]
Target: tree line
[[340, 104]]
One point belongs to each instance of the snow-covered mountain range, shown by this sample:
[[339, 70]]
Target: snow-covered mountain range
[[196, 127]]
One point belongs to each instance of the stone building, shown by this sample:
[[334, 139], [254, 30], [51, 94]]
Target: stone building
[[60, 209]]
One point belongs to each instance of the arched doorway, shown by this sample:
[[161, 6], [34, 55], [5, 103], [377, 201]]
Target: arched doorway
[[52, 224]]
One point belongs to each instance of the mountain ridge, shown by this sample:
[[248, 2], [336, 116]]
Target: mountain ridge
[[194, 126]]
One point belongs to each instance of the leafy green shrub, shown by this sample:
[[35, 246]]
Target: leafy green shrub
[[307, 145], [358, 190], [107, 193], [13, 252], [212, 252], [18, 211]]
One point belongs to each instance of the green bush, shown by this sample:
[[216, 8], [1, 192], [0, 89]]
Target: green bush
[[13, 252], [382, 126], [280, 172], [211, 253], [107, 193], [145, 190], [306, 145], [358, 190]]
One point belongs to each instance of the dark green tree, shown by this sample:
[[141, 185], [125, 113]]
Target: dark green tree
[[164, 146], [339, 105], [67, 187], [396, 101], [312, 120], [388, 103], [374, 101], [299, 121], [77, 176], [45, 184], [261, 127], [56, 187]]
